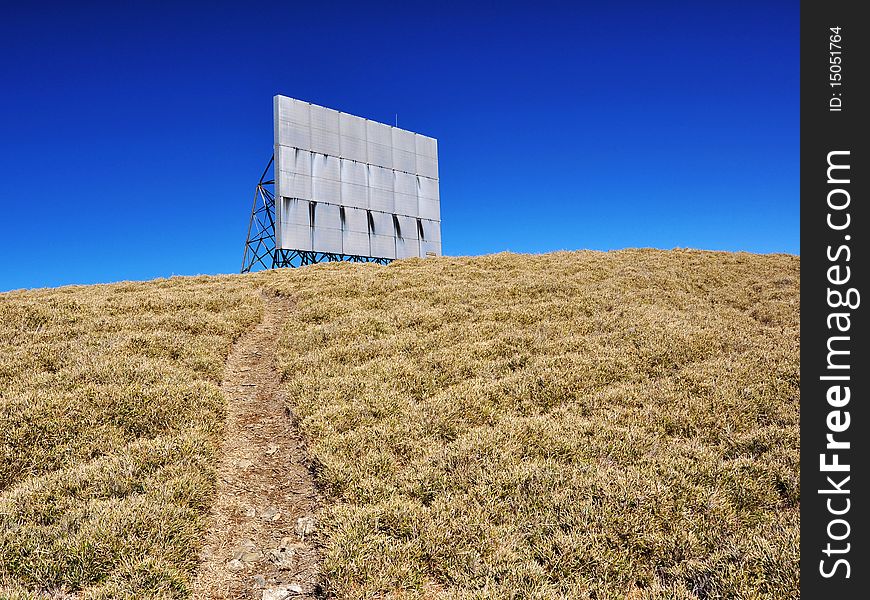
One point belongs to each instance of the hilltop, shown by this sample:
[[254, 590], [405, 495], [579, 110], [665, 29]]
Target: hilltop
[[567, 425]]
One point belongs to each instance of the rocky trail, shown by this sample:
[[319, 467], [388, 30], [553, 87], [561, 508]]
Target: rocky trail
[[258, 543]]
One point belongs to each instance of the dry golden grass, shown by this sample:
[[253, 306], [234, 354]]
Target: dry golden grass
[[110, 412], [571, 425]]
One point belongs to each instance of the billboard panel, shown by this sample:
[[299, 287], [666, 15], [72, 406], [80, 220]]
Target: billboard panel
[[382, 246], [327, 240], [430, 231], [294, 228], [355, 232], [354, 183], [405, 198], [349, 185]]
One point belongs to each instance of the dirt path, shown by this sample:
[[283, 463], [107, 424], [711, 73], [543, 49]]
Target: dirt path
[[256, 546]]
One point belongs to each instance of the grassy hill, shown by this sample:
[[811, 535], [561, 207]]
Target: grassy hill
[[110, 413], [570, 425]]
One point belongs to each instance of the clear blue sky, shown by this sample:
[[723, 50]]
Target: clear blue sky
[[131, 135]]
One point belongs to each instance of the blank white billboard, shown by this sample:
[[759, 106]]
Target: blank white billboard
[[348, 185]]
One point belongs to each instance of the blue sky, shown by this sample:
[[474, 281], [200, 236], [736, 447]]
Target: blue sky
[[131, 134]]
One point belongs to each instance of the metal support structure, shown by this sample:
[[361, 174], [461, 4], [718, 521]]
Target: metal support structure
[[261, 248], [300, 258], [260, 245]]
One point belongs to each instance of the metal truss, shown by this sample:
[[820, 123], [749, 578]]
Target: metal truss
[[260, 247], [300, 258]]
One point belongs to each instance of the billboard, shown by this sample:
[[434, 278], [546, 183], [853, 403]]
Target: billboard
[[349, 185]]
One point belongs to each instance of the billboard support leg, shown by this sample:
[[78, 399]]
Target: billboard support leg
[[260, 244]]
